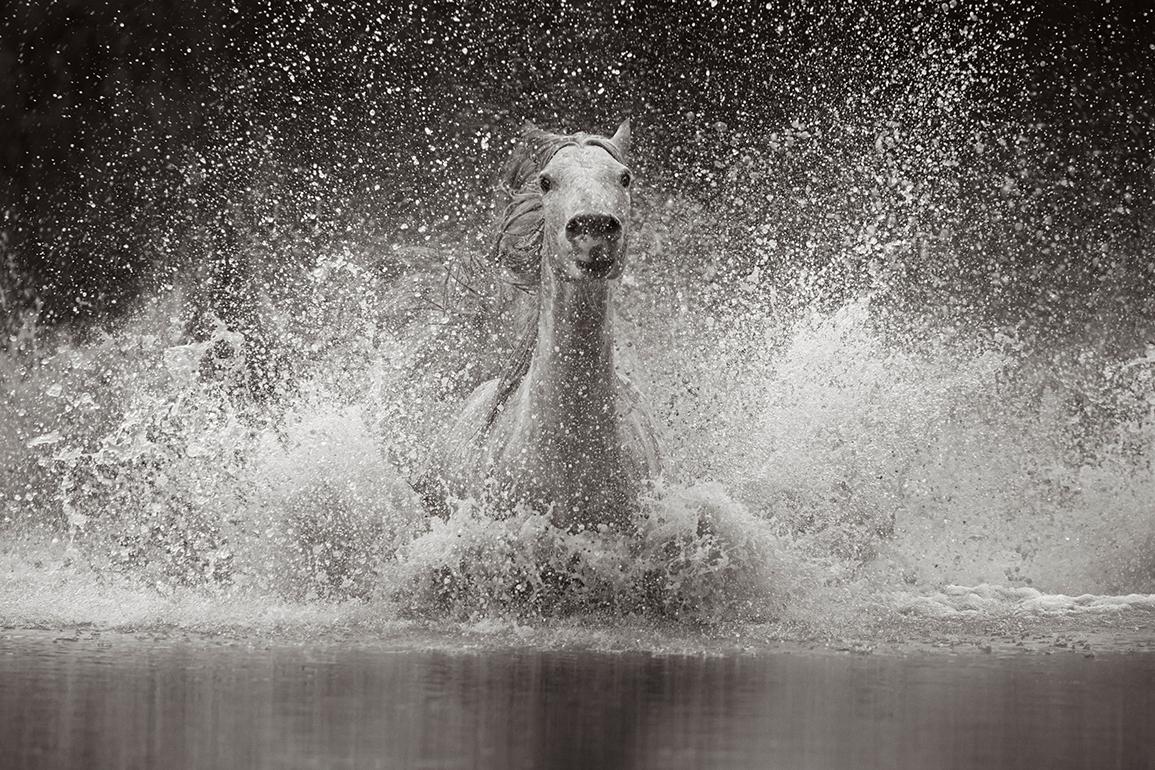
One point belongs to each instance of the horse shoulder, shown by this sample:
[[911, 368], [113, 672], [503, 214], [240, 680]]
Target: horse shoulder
[[640, 434], [448, 467], [473, 419]]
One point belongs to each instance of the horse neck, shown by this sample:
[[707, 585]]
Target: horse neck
[[571, 377]]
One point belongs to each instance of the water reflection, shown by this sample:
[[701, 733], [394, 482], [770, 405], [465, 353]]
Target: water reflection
[[129, 703]]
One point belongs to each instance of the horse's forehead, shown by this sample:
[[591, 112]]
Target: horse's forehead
[[586, 157]]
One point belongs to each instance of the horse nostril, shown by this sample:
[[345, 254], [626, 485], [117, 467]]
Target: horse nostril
[[594, 225]]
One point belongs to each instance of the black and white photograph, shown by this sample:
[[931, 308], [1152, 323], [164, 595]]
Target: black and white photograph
[[577, 384]]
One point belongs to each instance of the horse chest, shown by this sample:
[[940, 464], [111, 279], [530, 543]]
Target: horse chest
[[584, 465]]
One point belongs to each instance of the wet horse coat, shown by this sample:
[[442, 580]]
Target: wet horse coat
[[562, 430]]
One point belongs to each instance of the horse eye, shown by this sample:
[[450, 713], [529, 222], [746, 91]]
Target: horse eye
[[625, 179], [545, 183]]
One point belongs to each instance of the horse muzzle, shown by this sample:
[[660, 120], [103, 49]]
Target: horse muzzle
[[596, 241]]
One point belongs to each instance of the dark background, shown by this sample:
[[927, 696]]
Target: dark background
[[141, 141]]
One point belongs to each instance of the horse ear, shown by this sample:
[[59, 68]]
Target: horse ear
[[531, 133], [621, 137]]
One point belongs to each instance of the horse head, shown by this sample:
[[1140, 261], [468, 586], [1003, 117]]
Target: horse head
[[575, 190]]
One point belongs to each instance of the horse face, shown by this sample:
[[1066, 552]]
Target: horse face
[[586, 212]]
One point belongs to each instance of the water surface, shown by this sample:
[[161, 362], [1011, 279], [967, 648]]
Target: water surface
[[116, 700]]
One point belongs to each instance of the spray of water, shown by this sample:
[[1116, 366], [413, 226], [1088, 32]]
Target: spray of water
[[896, 336]]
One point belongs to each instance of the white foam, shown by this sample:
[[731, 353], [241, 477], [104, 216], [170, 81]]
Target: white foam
[[994, 600]]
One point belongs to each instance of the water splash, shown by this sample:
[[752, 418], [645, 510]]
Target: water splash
[[895, 324], [695, 555], [837, 468]]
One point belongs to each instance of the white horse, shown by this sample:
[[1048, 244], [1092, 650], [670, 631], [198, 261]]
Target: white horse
[[562, 430]]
